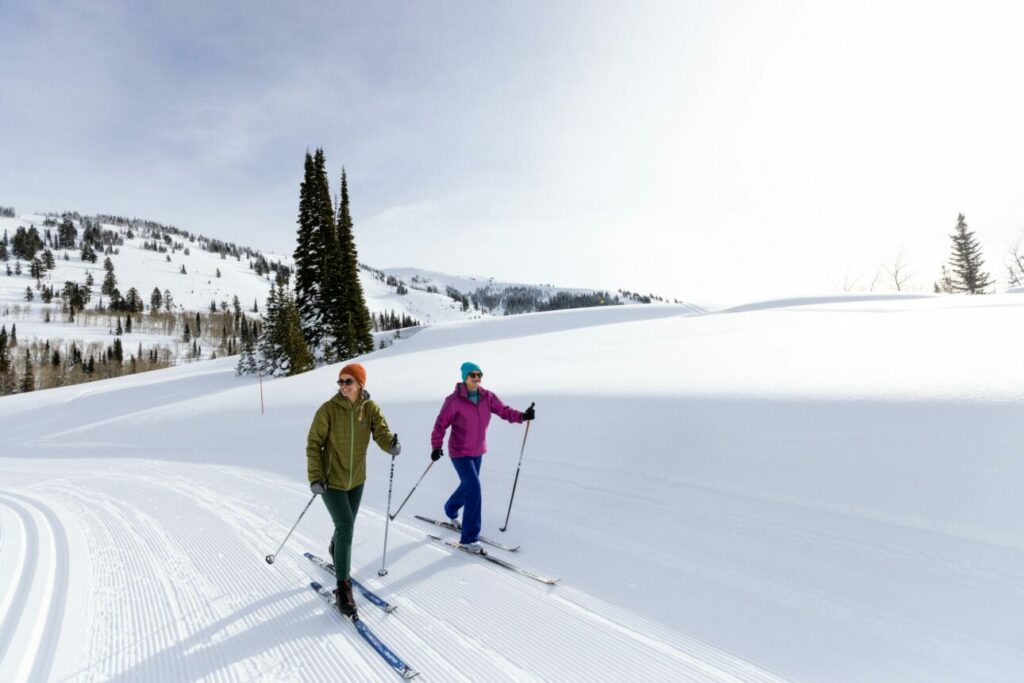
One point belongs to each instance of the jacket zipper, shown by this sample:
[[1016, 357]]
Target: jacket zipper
[[476, 411], [351, 445]]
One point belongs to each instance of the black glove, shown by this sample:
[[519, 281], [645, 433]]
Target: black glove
[[529, 414], [395, 448], [318, 487], [436, 454]]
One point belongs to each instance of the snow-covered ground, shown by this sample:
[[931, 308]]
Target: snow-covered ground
[[814, 490]]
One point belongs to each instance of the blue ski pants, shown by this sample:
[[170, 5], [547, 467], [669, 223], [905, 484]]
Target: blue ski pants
[[469, 495]]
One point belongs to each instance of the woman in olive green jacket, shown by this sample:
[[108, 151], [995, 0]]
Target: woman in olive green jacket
[[336, 464]]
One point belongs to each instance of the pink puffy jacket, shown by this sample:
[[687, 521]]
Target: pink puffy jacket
[[469, 421]]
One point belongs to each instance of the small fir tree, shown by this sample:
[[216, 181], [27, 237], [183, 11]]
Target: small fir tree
[[966, 262]]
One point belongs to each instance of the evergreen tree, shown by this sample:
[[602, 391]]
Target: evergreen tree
[[28, 294], [3, 252], [282, 345], [118, 352], [187, 334], [313, 249], [109, 283], [133, 301], [156, 300], [128, 324], [28, 380], [66, 234], [247, 360], [358, 325], [8, 382], [271, 359], [966, 262], [88, 253], [293, 344], [26, 243]]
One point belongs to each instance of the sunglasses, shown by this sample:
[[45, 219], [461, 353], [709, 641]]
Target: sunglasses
[[346, 382], [475, 375]]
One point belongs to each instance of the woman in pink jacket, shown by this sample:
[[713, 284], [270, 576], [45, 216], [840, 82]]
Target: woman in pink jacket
[[468, 411]]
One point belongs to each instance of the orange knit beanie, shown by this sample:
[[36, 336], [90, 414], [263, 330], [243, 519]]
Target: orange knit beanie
[[354, 370]]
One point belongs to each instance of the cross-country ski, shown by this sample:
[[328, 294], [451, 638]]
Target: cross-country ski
[[393, 660], [495, 560], [366, 592], [483, 539]]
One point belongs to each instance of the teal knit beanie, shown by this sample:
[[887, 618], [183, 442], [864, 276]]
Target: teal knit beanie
[[468, 367]]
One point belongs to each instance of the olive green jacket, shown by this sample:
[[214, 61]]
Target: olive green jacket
[[338, 439]]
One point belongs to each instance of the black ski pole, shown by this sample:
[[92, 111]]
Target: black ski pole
[[382, 571], [514, 483], [413, 490], [270, 558]]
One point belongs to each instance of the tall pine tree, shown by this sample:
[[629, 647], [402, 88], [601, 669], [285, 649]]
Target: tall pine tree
[[308, 260], [334, 319], [331, 283], [358, 323], [966, 263]]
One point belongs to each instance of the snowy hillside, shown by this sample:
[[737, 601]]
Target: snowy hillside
[[198, 279], [495, 294], [208, 279], [824, 490]]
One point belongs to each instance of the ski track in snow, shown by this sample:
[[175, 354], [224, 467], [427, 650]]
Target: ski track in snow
[[33, 554], [179, 590]]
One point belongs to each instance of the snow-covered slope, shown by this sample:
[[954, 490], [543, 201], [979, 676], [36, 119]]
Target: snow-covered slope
[[426, 280], [827, 491], [207, 279], [192, 291]]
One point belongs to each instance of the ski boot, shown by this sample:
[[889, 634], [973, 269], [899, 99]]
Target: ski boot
[[346, 602]]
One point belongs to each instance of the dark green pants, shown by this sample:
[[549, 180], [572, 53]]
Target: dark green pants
[[343, 506]]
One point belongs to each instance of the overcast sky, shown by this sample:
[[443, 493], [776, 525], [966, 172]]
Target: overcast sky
[[707, 150]]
